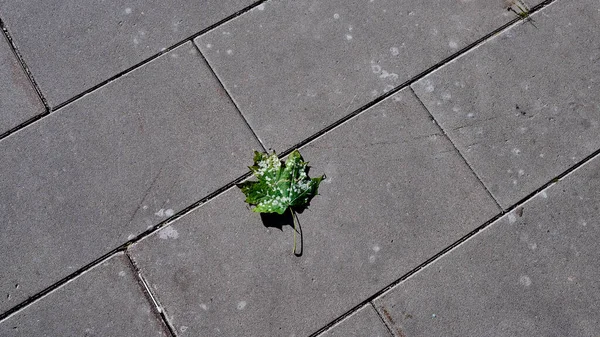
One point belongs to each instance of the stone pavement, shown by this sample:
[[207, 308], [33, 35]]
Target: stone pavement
[[461, 146]]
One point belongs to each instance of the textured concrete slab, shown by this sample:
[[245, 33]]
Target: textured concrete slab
[[534, 272], [106, 301], [294, 67], [524, 107], [397, 193], [90, 176], [363, 323], [94, 40], [18, 100]]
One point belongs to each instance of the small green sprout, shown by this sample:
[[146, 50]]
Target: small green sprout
[[520, 9]]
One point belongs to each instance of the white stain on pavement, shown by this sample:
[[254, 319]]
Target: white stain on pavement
[[525, 281], [168, 233]]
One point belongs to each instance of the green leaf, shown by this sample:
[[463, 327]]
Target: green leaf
[[279, 185]]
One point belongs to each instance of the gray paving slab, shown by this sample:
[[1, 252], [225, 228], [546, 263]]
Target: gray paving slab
[[88, 177], [71, 46], [534, 272], [397, 193], [525, 106], [294, 67], [363, 323], [105, 301], [18, 100]]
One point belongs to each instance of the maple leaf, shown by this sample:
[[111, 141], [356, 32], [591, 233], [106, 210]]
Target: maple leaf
[[280, 185]]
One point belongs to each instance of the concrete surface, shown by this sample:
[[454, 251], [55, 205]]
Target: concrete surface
[[524, 107], [429, 213], [534, 272], [18, 99], [95, 174], [397, 195], [73, 45], [363, 323], [309, 63], [105, 301]]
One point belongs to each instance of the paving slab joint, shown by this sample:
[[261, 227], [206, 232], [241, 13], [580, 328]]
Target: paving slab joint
[[333, 323], [416, 78], [155, 304], [554, 180], [19, 57], [36, 297], [387, 324], [230, 97], [454, 245], [455, 148], [50, 109], [160, 53], [122, 248]]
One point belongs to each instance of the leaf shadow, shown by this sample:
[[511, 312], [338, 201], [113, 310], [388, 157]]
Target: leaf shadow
[[278, 221]]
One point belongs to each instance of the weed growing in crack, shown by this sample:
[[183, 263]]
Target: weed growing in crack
[[520, 9]]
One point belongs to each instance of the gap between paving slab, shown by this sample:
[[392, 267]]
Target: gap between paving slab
[[416, 78], [50, 109], [449, 249], [456, 148], [100, 40], [75, 303], [245, 10], [302, 143], [24, 66], [230, 98], [524, 107], [62, 175], [19, 101], [306, 71], [158, 309], [398, 204], [542, 237]]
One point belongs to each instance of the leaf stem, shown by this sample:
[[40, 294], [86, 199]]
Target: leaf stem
[[294, 219]]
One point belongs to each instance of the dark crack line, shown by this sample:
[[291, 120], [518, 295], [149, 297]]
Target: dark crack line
[[473, 124], [146, 194]]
